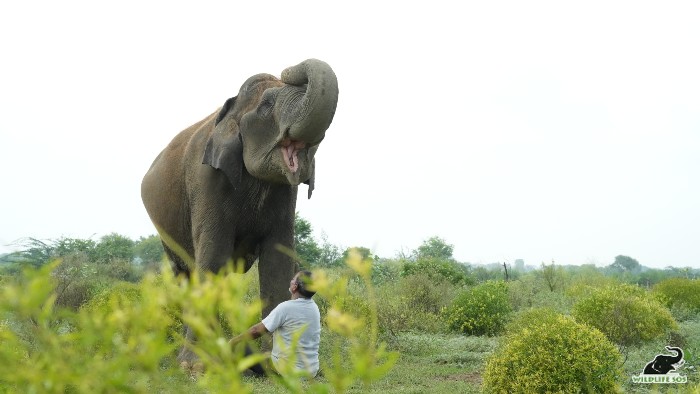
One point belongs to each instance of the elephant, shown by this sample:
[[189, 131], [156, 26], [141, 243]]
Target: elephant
[[225, 188], [663, 364]]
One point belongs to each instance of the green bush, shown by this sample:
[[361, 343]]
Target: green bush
[[121, 269], [481, 310], [74, 280], [120, 340], [680, 294], [120, 291], [626, 314], [77, 279], [113, 349], [554, 355], [530, 318], [439, 269], [385, 271], [414, 303], [530, 291]]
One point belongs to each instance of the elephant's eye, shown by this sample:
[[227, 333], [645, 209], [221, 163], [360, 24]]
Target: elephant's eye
[[265, 107]]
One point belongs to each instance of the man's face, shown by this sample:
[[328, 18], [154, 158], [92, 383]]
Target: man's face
[[293, 284]]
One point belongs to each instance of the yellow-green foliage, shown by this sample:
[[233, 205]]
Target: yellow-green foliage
[[680, 292], [126, 290], [626, 314], [529, 318], [112, 349], [356, 351], [554, 355], [481, 310], [413, 303], [122, 342]]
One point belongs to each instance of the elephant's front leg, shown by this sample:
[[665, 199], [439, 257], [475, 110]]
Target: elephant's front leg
[[211, 255], [276, 268]]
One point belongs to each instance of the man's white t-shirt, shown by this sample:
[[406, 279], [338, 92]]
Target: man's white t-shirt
[[288, 318]]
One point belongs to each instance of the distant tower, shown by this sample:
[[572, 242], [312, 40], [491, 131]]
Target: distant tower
[[519, 265]]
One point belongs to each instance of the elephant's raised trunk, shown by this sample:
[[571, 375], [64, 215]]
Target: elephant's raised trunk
[[679, 354], [308, 120]]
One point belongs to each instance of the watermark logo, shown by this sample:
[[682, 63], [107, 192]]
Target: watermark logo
[[663, 368]]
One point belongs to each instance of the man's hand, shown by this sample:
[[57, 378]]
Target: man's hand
[[253, 332]]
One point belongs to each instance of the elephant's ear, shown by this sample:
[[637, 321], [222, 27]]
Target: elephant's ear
[[224, 150], [224, 110], [312, 179]]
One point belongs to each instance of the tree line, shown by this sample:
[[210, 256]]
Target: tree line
[[434, 255]]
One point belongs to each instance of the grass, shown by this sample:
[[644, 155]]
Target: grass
[[434, 363], [451, 363]]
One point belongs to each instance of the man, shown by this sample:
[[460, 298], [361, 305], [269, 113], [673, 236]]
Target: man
[[300, 314]]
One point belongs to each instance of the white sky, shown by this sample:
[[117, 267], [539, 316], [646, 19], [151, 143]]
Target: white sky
[[534, 130]]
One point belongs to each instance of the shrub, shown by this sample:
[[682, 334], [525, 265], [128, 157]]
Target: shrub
[[530, 318], [414, 303], [120, 269], [78, 279], [680, 293], [586, 280], [74, 281], [530, 291], [121, 291], [522, 291], [119, 342], [385, 271], [481, 310], [555, 354], [439, 269], [626, 314]]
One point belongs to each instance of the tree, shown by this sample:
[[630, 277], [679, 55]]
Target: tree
[[435, 248], [149, 249], [37, 252], [364, 252], [439, 269], [551, 274], [114, 246], [625, 264], [67, 246], [330, 254], [305, 245]]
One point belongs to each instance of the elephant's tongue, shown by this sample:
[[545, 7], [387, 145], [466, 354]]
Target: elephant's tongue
[[289, 152]]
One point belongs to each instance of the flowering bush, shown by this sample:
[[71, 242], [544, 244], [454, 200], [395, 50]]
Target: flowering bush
[[123, 340], [680, 293], [481, 310], [626, 314], [553, 355], [529, 318]]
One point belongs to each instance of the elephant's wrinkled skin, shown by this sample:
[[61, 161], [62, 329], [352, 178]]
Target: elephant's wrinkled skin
[[225, 188]]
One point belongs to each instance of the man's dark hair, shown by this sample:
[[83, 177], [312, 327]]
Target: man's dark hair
[[303, 281]]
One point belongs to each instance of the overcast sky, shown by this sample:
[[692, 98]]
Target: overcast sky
[[514, 130]]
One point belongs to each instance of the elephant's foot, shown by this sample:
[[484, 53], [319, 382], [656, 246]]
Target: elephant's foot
[[194, 371], [189, 363]]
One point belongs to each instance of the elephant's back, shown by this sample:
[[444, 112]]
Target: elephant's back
[[163, 185], [172, 160]]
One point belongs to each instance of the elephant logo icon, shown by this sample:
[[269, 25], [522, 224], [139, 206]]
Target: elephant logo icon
[[663, 364], [663, 368]]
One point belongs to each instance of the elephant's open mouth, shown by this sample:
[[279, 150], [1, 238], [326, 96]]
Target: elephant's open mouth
[[290, 148]]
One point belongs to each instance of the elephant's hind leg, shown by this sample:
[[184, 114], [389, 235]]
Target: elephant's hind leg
[[178, 265]]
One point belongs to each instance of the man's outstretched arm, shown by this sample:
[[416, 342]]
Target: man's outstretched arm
[[253, 332]]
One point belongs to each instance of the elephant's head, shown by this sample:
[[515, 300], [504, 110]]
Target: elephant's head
[[278, 122], [671, 362], [662, 363]]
